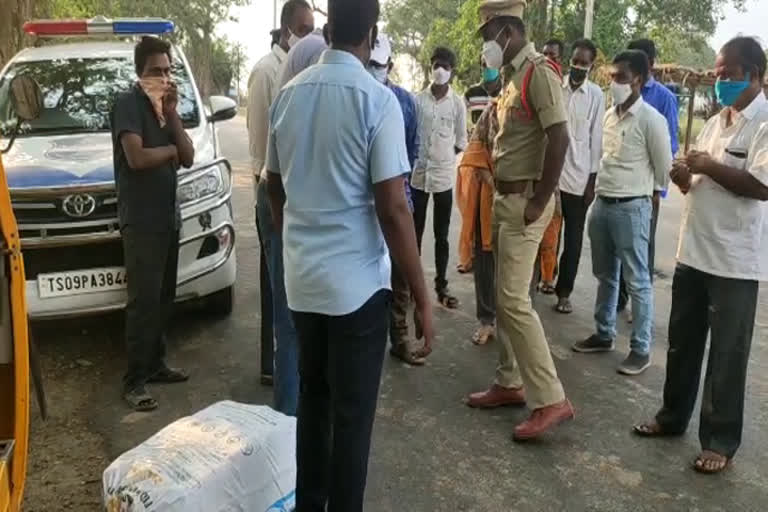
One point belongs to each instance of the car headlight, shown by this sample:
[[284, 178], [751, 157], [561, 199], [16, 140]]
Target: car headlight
[[202, 185]]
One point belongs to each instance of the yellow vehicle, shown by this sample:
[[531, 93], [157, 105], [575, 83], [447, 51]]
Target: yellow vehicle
[[26, 101]]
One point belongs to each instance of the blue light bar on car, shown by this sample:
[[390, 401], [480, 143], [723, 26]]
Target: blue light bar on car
[[99, 26]]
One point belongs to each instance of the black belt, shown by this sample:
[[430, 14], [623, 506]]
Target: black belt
[[617, 200]]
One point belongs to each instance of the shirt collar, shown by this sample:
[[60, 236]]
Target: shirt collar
[[279, 53], [581, 88], [527, 51], [753, 108], [634, 109], [331, 56], [650, 84]]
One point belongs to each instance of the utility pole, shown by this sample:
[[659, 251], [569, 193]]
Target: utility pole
[[274, 14], [588, 19]]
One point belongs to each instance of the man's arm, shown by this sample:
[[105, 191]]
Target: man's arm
[[596, 132], [388, 165], [412, 132], [275, 188], [259, 100], [660, 152], [184, 146], [461, 127], [140, 158], [554, 159], [671, 113], [546, 96]]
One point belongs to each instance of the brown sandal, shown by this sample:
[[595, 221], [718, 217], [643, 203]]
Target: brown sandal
[[711, 463], [402, 352], [483, 335]]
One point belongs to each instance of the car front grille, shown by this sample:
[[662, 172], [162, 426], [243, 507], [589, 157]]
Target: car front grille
[[65, 259]]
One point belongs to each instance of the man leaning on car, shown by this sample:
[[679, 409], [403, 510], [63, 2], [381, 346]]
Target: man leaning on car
[[149, 144]]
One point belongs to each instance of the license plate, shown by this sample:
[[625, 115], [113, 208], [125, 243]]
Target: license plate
[[62, 284]]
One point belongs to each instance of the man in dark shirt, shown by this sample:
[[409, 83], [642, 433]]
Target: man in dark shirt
[[149, 144]]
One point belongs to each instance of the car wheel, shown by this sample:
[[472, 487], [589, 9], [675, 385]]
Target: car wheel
[[221, 302]]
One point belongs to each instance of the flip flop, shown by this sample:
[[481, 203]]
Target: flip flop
[[653, 430], [483, 335], [464, 269], [404, 354], [564, 306], [447, 300], [546, 289], [169, 376], [140, 400]]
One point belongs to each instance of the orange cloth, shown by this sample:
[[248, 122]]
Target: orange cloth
[[471, 192], [548, 249], [155, 88]]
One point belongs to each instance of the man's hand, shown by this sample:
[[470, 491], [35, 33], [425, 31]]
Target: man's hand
[[170, 100], [173, 155], [484, 176], [533, 211], [422, 317], [699, 162], [681, 176]]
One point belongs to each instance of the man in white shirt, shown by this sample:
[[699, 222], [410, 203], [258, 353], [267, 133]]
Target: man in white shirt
[[722, 255], [296, 21], [443, 135], [636, 161], [586, 109]]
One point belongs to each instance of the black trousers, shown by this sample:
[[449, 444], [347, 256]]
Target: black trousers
[[441, 220], [574, 219], [267, 329], [623, 293], [340, 361], [725, 309], [151, 260]]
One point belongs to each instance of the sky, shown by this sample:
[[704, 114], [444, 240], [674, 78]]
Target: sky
[[256, 20]]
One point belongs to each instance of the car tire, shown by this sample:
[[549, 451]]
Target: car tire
[[221, 302]]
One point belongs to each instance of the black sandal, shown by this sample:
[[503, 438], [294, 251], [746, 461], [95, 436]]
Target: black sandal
[[447, 300], [169, 376], [140, 400], [564, 306], [653, 429], [403, 352]]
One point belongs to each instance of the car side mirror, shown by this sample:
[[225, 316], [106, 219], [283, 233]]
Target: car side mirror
[[222, 109], [27, 102], [26, 97]]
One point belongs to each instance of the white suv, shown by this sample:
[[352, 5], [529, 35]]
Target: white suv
[[61, 177]]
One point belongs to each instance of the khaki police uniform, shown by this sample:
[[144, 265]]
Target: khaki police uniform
[[524, 115]]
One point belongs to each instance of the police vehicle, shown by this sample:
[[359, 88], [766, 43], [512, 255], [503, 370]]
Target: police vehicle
[[61, 175]]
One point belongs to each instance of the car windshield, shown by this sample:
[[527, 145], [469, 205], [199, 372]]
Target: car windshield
[[78, 94]]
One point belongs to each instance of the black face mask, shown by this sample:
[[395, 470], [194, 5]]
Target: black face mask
[[578, 75]]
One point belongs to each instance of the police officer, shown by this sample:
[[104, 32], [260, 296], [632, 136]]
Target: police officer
[[528, 158]]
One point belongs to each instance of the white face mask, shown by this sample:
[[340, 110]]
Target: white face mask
[[493, 53], [293, 39], [620, 93], [440, 76], [380, 74]]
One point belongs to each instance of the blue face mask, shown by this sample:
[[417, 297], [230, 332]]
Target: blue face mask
[[490, 75], [729, 91]]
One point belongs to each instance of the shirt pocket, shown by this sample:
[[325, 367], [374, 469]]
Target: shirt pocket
[[445, 127], [579, 122], [737, 160]]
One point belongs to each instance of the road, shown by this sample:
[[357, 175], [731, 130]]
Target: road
[[430, 452]]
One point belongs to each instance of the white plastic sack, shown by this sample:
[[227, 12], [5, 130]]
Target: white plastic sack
[[226, 458]]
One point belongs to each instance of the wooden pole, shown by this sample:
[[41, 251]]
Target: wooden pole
[[689, 129], [589, 18]]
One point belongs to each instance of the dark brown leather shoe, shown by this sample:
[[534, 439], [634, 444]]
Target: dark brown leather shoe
[[497, 396], [544, 419]]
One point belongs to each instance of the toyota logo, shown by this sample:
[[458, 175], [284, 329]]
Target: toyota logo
[[78, 205]]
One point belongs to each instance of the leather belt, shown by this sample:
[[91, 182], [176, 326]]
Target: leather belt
[[513, 187], [617, 200]]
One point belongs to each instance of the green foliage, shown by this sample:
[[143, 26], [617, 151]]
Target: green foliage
[[680, 28]]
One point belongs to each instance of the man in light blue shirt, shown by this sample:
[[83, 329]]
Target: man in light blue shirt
[[337, 162]]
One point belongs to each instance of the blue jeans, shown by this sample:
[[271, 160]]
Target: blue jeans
[[286, 378], [620, 234]]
